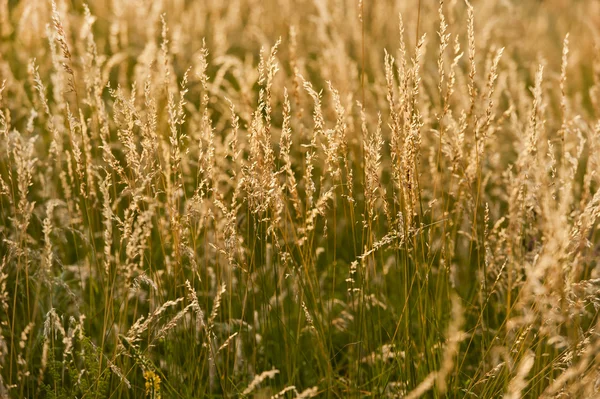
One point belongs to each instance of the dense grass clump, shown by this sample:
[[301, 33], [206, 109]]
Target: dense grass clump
[[295, 199]]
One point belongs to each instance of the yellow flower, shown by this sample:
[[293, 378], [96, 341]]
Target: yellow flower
[[152, 384]]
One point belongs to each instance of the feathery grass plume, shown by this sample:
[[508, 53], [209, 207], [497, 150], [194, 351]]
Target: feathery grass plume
[[282, 393], [53, 325], [22, 372], [372, 144], [119, 373], [319, 209], [151, 160], [266, 79], [56, 144], [263, 191], [205, 137], [308, 393], [233, 141], [423, 387], [534, 116], [331, 148], [519, 382], [577, 368], [107, 215], [227, 342], [193, 298], [342, 145], [137, 228], [4, 295], [395, 124], [258, 379], [285, 146], [451, 80], [412, 140], [22, 152], [61, 39], [308, 317], [444, 41], [91, 62], [76, 132], [319, 125], [173, 322], [492, 77], [143, 323], [216, 305], [472, 64], [47, 228]]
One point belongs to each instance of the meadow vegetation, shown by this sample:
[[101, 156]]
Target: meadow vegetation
[[296, 199]]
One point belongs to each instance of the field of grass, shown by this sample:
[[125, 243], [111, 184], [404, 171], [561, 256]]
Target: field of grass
[[297, 199]]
